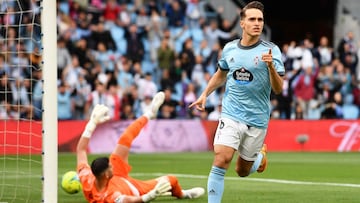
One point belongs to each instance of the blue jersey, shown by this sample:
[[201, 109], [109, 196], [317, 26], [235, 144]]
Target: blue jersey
[[247, 91]]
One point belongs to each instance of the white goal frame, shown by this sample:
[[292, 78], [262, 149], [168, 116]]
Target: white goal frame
[[49, 116]]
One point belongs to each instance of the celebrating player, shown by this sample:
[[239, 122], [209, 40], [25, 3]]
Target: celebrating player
[[251, 67], [108, 180]]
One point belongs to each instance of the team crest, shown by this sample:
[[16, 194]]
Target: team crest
[[256, 60]]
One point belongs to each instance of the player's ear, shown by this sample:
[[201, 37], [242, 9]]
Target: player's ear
[[242, 24]]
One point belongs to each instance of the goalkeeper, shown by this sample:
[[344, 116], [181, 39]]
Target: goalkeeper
[[108, 180]]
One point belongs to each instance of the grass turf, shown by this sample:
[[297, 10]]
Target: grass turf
[[290, 177]]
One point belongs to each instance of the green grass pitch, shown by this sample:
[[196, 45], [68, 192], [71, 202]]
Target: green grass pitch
[[290, 177]]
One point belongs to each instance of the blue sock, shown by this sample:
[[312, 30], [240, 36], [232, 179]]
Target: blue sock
[[215, 185], [257, 163]]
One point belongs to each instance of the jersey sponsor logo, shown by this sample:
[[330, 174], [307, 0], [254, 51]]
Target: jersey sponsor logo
[[242, 76]]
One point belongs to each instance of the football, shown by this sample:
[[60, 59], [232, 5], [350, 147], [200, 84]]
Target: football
[[70, 182]]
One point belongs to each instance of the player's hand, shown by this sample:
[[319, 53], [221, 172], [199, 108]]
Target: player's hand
[[267, 58], [161, 187], [99, 114], [199, 103]]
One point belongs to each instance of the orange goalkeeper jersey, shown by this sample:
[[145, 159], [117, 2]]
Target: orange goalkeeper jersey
[[120, 184]]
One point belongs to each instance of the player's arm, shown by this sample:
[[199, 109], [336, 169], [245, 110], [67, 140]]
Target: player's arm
[[81, 148], [215, 82], [276, 80], [98, 115], [160, 188]]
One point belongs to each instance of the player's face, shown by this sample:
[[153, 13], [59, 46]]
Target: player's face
[[253, 22], [109, 171]]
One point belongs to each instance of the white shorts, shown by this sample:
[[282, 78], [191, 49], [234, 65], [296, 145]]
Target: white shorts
[[247, 140]]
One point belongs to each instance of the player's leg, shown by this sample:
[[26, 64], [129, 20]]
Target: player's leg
[[252, 153], [215, 184], [224, 148], [133, 130], [175, 191], [178, 192], [263, 163]]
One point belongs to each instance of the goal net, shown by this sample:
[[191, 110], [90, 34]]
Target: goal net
[[28, 145]]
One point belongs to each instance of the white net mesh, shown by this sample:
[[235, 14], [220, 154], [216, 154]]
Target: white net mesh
[[20, 101]]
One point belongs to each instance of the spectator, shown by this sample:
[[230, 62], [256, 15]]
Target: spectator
[[142, 19], [123, 75], [215, 114], [65, 105], [350, 110], [63, 56], [146, 86], [99, 34], [135, 49], [304, 89], [166, 81], [301, 55], [333, 107], [37, 94], [187, 57], [346, 44], [193, 14], [324, 53], [81, 90], [4, 66], [113, 100], [175, 13], [165, 57], [98, 95], [188, 98], [154, 34], [6, 98], [226, 26], [213, 33], [22, 107], [110, 13], [106, 57], [83, 53], [170, 106]]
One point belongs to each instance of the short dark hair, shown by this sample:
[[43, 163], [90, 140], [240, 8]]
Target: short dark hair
[[253, 4], [99, 165]]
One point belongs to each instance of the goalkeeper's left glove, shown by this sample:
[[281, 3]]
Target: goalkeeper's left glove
[[98, 115], [161, 187]]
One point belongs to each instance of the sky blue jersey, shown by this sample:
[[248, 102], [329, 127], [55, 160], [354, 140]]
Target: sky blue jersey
[[247, 91]]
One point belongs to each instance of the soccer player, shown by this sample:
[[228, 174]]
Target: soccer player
[[108, 180], [250, 67]]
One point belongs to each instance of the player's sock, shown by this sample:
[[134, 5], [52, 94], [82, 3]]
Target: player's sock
[[132, 131], [257, 163], [215, 185], [156, 102]]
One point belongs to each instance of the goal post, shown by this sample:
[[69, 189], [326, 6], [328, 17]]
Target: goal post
[[49, 119]]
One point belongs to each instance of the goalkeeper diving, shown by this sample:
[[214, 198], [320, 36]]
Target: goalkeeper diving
[[108, 180]]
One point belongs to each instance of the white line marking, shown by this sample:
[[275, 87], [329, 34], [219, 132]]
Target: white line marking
[[292, 182]]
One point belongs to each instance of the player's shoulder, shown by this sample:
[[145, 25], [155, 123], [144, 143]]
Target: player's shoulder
[[268, 44], [232, 44]]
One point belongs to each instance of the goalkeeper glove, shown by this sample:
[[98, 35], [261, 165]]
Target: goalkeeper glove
[[161, 187], [98, 115]]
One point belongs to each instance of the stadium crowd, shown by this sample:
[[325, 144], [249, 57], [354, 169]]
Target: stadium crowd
[[122, 52]]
